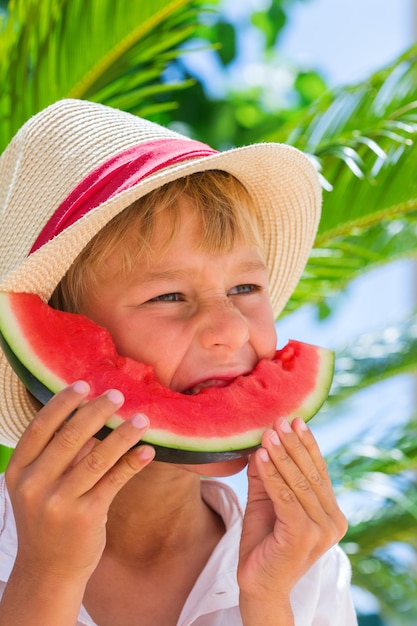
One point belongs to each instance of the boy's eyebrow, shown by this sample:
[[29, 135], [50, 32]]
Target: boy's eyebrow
[[167, 274], [251, 266]]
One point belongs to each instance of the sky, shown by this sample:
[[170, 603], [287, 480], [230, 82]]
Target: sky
[[349, 38]]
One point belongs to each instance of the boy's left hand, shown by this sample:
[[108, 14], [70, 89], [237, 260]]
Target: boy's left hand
[[292, 516]]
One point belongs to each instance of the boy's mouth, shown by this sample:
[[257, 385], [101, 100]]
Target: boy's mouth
[[204, 384]]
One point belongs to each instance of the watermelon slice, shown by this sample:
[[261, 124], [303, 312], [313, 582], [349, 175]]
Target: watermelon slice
[[49, 349]]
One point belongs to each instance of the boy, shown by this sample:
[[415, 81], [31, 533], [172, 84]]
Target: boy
[[186, 256]]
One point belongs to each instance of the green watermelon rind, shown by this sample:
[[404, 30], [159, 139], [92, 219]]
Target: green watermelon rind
[[21, 348]]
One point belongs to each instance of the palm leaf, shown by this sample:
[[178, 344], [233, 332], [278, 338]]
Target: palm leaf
[[374, 357], [111, 52], [378, 477], [363, 140]]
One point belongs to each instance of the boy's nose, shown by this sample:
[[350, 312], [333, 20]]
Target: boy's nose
[[222, 324]]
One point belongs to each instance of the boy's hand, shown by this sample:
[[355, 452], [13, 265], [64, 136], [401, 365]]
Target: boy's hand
[[62, 482], [291, 519]]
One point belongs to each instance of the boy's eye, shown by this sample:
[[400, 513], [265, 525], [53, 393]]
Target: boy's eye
[[243, 289], [167, 297]]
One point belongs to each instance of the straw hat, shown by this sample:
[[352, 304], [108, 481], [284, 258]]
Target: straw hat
[[75, 165]]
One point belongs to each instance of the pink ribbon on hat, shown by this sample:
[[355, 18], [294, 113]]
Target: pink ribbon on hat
[[120, 172]]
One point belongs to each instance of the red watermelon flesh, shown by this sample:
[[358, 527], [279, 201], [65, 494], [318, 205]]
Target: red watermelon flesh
[[57, 348]]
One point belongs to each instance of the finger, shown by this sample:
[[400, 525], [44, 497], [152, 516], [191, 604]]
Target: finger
[[305, 473], [91, 443], [75, 432], [330, 504], [259, 512], [289, 487], [48, 420], [271, 460], [106, 458], [306, 436], [286, 483], [128, 466]]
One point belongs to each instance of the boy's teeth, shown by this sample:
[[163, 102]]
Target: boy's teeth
[[192, 391]]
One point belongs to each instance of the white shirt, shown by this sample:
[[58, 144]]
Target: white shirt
[[321, 598]]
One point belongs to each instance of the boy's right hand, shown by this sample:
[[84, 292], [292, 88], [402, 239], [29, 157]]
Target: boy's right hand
[[62, 482]]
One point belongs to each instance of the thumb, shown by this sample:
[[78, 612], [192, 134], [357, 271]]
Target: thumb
[[259, 516], [256, 488]]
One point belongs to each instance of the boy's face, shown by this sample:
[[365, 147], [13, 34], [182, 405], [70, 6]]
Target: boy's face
[[199, 319]]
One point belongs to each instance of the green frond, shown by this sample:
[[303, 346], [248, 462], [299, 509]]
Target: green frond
[[363, 140], [375, 357], [380, 477], [110, 52]]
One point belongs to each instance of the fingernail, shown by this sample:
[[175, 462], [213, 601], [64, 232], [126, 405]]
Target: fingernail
[[115, 396], [274, 438], [284, 426], [140, 421], [263, 455], [81, 387], [146, 453], [303, 425]]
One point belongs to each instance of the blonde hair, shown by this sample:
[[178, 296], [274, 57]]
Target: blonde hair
[[222, 204]]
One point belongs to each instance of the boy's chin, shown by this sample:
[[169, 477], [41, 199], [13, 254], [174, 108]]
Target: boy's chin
[[220, 469]]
